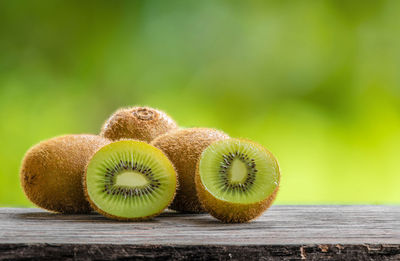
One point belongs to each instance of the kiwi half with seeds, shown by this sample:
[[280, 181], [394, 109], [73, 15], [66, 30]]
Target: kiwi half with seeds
[[129, 180], [139, 123], [237, 180], [52, 171], [184, 147]]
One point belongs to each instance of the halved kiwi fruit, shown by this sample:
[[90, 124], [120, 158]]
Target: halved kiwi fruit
[[129, 180], [52, 171], [139, 123], [184, 147], [237, 180]]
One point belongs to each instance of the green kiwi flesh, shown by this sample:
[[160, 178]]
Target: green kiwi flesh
[[130, 180], [237, 179]]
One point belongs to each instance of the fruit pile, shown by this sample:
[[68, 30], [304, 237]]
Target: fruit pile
[[142, 163]]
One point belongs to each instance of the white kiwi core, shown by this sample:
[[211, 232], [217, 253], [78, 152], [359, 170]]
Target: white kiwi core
[[131, 179], [238, 172]]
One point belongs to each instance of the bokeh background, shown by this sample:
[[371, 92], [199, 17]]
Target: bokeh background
[[316, 82]]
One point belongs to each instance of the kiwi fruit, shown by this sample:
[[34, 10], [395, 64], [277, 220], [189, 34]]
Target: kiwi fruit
[[129, 180], [139, 123], [237, 180], [184, 147], [51, 172]]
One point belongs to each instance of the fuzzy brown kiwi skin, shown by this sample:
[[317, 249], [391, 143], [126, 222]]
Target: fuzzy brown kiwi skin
[[184, 147], [110, 216], [138, 123], [52, 171], [229, 212]]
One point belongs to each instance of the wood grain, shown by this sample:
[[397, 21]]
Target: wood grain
[[282, 233]]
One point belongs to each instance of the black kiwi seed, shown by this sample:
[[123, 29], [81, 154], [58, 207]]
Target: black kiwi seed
[[226, 165], [111, 188]]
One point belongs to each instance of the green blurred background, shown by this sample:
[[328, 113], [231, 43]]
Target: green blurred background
[[316, 82]]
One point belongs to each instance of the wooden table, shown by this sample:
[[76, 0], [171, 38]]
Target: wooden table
[[282, 233]]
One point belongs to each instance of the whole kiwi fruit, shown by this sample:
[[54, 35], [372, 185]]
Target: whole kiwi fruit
[[184, 147], [138, 123], [51, 172], [237, 180]]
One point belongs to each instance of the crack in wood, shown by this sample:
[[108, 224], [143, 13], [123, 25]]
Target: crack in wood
[[189, 252]]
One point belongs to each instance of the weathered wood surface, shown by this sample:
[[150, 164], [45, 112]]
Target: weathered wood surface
[[282, 233]]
